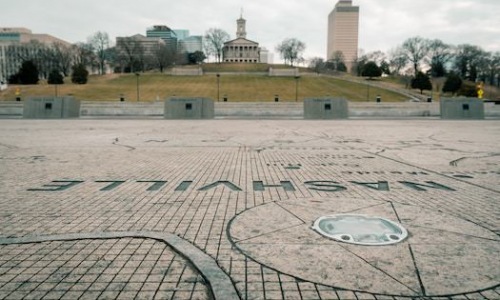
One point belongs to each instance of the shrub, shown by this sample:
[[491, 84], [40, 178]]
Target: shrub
[[80, 74], [55, 77]]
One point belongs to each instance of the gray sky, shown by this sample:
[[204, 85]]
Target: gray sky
[[384, 24]]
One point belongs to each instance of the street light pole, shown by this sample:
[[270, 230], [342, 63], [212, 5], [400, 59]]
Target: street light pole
[[367, 91], [137, 75], [297, 88], [218, 87]]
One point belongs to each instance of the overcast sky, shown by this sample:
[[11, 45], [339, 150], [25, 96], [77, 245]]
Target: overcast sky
[[384, 24]]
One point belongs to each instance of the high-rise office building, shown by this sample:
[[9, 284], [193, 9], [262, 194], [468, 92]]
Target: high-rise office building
[[165, 33], [343, 23], [177, 38], [191, 44], [181, 33]]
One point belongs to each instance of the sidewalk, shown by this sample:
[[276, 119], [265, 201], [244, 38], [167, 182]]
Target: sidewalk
[[224, 209]]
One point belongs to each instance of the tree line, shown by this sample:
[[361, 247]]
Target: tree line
[[416, 58], [420, 59], [129, 55], [38, 61]]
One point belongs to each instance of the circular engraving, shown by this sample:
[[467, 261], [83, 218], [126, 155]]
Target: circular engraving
[[428, 262], [360, 229]]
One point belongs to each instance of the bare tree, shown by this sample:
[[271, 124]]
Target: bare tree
[[100, 43], [439, 55], [397, 60], [164, 56], [317, 64], [337, 62], [493, 68], [468, 58], [62, 57], [415, 49], [376, 56], [130, 54], [215, 41], [83, 55], [207, 48], [291, 49]]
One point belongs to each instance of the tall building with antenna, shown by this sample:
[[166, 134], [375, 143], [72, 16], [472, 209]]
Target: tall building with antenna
[[343, 24]]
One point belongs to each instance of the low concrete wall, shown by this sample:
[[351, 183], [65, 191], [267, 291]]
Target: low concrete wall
[[294, 110], [11, 108], [187, 72], [491, 110], [392, 110], [136, 109], [259, 109], [284, 72]]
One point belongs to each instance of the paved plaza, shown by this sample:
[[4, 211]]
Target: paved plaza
[[224, 209]]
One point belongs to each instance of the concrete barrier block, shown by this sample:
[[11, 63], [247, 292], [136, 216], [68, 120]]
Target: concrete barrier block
[[51, 108], [189, 108], [326, 108], [462, 109]]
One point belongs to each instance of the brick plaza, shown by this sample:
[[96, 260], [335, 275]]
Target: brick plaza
[[223, 209]]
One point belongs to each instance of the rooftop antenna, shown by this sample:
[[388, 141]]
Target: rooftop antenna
[[241, 13]]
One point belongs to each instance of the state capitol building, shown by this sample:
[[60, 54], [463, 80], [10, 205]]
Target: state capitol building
[[241, 50]]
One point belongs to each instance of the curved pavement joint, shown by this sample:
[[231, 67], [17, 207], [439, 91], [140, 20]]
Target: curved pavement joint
[[220, 284]]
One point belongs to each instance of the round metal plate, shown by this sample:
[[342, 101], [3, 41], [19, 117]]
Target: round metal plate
[[360, 229]]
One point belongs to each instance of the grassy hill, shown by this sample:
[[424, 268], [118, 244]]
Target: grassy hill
[[250, 86]]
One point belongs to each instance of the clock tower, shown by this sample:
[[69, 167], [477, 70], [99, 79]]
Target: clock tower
[[241, 24]]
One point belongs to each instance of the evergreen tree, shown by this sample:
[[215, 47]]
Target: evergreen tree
[[28, 74], [438, 69], [196, 57], [421, 82], [14, 79], [55, 77], [341, 67], [80, 74], [370, 69], [452, 84]]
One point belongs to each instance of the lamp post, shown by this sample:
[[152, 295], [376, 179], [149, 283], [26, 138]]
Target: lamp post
[[218, 86], [367, 91], [137, 76], [297, 88]]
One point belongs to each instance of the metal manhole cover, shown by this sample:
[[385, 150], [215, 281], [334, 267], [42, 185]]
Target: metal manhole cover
[[360, 229]]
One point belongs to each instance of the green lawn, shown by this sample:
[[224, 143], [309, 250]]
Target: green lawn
[[248, 87]]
